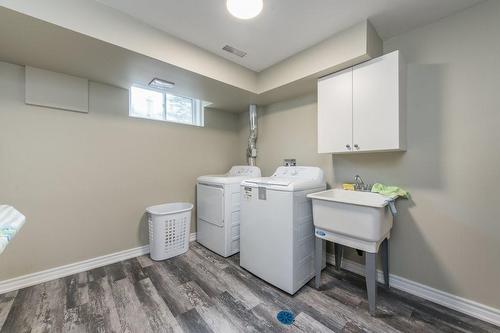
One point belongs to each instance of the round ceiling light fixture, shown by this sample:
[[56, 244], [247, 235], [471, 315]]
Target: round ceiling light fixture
[[244, 9]]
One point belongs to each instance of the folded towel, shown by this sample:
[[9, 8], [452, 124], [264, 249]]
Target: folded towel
[[390, 191], [10, 223]]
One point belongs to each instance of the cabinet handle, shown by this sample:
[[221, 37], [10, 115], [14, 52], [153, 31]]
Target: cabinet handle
[[356, 146], [348, 147]]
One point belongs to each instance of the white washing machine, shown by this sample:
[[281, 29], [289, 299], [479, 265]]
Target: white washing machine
[[218, 209], [277, 231]]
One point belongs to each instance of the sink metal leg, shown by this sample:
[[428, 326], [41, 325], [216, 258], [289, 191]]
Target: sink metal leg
[[384, 249], [318, 260], [371, 281], [339, 249]]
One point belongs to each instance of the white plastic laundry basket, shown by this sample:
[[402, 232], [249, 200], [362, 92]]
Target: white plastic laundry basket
[[169, 229]]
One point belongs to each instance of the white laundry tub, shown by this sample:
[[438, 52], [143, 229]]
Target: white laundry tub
[[357, 219]]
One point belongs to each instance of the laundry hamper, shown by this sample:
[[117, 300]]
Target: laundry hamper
[[169, 229]]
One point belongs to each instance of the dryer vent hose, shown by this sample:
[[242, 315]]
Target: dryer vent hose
[[252, 138]]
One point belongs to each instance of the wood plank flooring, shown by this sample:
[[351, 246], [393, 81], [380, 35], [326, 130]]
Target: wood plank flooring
[[203, 292]]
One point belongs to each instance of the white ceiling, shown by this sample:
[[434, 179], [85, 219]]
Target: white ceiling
[[285, 27]]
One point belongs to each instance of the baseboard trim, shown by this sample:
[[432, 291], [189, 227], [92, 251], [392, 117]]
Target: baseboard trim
[[472, 308], [460, 304], [74, 268]]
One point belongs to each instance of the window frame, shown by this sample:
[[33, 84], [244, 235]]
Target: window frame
[[198, 109]]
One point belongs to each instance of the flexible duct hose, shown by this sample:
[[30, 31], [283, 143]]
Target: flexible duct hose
[[252, 138]]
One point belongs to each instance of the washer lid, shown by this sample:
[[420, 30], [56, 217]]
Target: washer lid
[[236, 175], [221, 179], [290, 179], [270, 181]]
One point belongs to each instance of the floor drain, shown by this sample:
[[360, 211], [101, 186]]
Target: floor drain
[[286, 317]]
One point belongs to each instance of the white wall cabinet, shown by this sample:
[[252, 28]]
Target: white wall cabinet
[[361, 109], [335, 118]]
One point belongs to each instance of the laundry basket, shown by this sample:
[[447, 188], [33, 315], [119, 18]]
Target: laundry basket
[[169, 229]]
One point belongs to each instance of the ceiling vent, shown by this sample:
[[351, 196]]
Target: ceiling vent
[[234, 51]]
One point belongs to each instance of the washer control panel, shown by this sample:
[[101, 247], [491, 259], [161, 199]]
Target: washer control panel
[[298, 172], [244, 171]]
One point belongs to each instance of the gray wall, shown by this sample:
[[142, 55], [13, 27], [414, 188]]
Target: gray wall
[[84, 180], [448, 235]]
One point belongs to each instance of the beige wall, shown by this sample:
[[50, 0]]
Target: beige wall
[[448, 235], [84, 180]]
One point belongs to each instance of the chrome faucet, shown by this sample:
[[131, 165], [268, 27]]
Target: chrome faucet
[[360, 184]]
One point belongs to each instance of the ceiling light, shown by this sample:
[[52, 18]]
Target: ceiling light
[[244, 9], [161, 84]]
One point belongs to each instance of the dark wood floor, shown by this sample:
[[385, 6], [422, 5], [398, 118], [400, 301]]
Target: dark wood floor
[[202, 292]]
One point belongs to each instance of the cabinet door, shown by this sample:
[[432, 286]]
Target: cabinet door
[[335, 112], [376, 104]]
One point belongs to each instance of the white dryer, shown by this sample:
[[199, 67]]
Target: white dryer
[[277, 231], [218, 209]]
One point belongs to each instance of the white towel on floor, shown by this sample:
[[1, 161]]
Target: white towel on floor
[[10, 223]]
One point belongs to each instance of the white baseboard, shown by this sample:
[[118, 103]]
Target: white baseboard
[[467, 306], [74, 268]]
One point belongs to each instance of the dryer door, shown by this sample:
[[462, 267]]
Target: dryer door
[[210, 205]]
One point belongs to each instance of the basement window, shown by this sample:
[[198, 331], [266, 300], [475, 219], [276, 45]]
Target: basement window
[[158, 105]]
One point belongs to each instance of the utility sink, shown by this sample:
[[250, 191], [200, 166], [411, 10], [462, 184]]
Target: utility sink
[[361, 220]]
